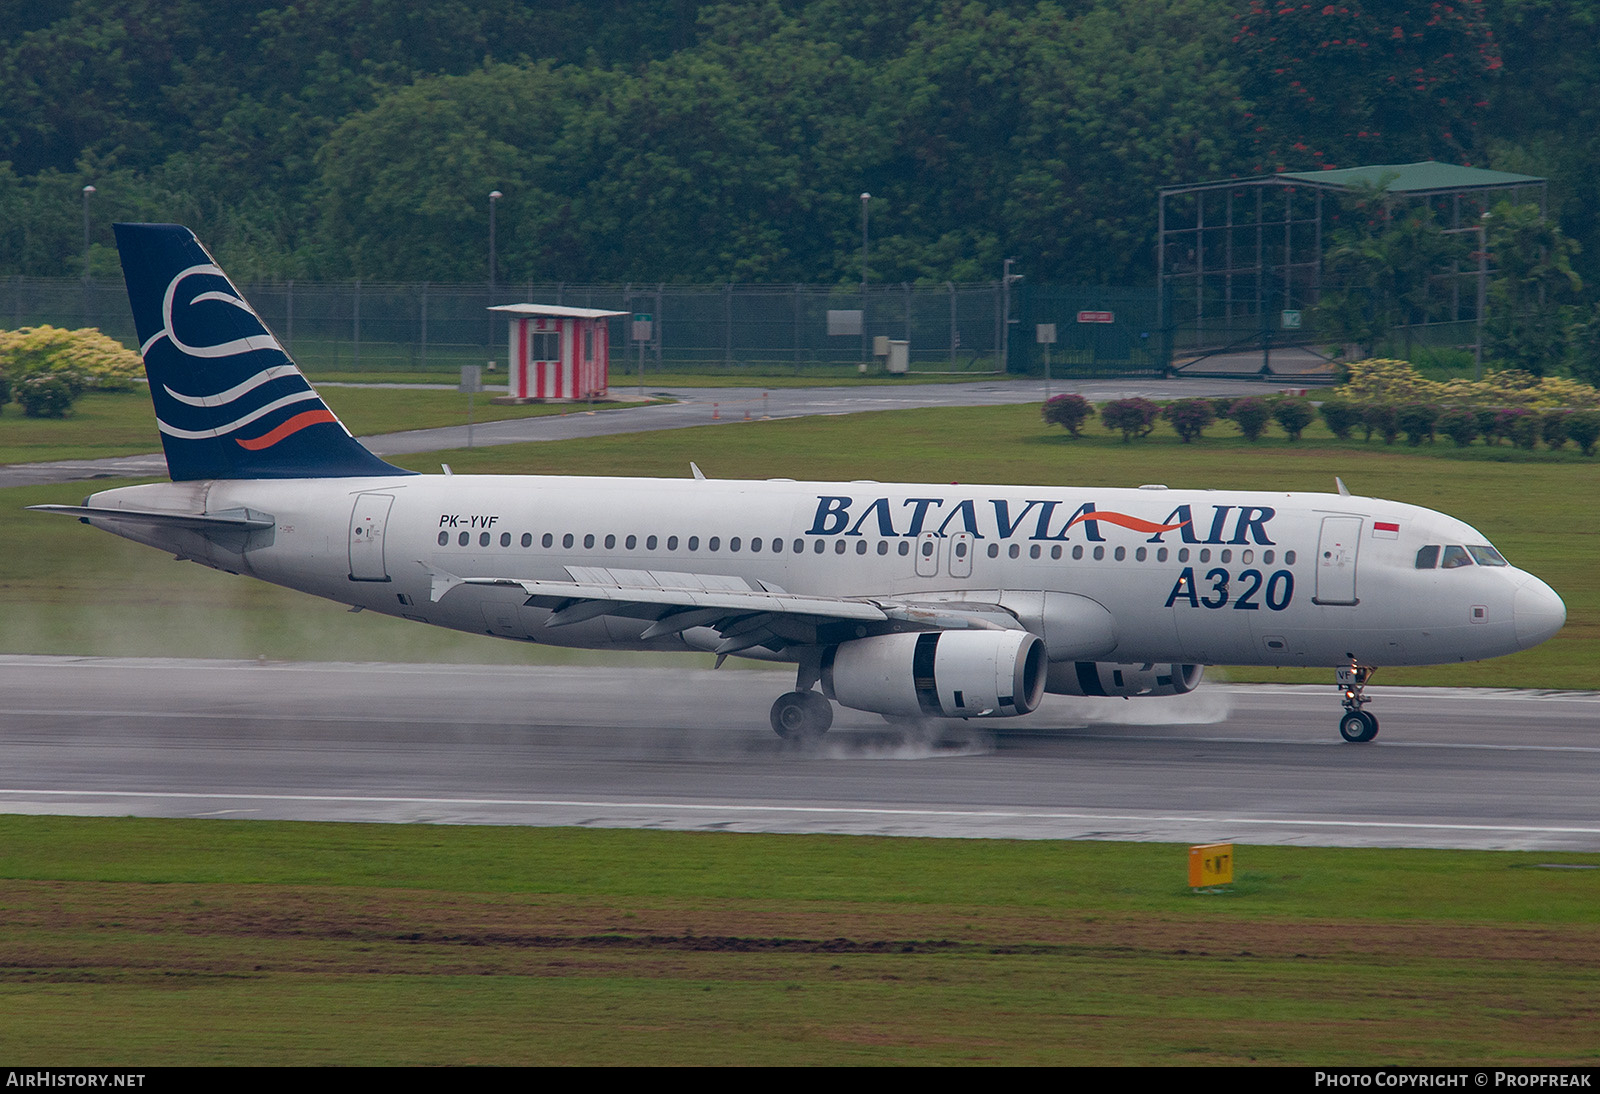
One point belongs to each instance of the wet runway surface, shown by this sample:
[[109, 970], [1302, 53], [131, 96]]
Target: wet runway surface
[[690, 749]]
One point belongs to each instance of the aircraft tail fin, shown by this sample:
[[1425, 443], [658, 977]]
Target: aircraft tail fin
[[230, 402]]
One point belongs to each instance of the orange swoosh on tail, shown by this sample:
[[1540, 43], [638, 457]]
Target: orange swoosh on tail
[[293, 425], [1125, 521]]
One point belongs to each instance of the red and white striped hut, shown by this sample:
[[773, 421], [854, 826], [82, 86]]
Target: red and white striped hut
[[558, 353]]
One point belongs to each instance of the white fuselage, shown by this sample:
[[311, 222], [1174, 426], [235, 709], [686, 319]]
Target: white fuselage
[[1201, 577]]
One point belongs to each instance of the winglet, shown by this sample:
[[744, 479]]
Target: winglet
[[1344, 491], [699, 474]]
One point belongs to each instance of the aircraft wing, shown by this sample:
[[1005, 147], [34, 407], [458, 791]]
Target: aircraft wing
[[744, 614]]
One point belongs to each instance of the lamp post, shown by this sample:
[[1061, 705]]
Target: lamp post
[[865, 199], [87, 190], [494, 197]]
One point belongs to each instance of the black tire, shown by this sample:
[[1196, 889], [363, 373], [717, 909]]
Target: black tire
[[801, 715], [1358, 727]]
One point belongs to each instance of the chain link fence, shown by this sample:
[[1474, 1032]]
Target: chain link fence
[[420, 327]]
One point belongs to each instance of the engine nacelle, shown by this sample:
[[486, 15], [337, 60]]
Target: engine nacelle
[[1122, 681], [951, 674]]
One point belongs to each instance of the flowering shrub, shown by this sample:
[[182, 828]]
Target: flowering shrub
[[1294, 415], [1250, 414], [1068, 411], [1384, 380], [1189, 418], [1133, 417], [96, 361]]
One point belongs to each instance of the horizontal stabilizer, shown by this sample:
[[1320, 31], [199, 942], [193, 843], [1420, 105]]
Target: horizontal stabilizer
[[235, 520]]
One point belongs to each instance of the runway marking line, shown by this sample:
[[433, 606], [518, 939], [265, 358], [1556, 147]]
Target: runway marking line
[[815, 810]]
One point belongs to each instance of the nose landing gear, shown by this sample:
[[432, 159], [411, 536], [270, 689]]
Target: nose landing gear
[[1357, 726]]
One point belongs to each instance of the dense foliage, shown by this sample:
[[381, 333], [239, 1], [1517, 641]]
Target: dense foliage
[[672, 140]]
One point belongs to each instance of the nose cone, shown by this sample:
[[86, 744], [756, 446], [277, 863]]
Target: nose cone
[[1538, 611]]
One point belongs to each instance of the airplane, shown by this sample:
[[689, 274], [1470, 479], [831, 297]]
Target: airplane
[[910, 601]]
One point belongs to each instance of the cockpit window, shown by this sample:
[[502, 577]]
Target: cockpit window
[[1455, 556], [1484, 555], [1428, 557]]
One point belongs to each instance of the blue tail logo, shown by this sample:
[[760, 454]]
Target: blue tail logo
[[230, 402]]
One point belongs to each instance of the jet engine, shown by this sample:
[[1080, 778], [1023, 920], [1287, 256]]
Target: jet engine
[[1122, 681], [951, 674]]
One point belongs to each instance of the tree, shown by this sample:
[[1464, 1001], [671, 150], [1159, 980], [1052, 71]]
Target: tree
[[1366, 81], [1380, 271], [1529, 322]]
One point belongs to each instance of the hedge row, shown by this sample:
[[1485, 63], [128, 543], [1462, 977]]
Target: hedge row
[[1523, 427]]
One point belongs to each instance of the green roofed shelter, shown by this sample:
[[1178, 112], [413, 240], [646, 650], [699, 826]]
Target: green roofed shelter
[[1239, 261], [1427, 177]]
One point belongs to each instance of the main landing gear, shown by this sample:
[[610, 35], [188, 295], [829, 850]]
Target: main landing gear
[[1357, 726], [802, 716]]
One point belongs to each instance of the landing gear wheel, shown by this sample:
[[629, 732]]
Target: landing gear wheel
[[1358, 727], [801, 715]]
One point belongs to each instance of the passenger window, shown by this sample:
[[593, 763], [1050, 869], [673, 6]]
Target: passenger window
[[1288, 558], [755, 544], [462, 539], [547, 540], [821, 546], [672, 543], [905, 548], [588, 540], [1077, 552], [1455, 557], [994, 550], [631, 542], [483, 539], [1121, 553], [838, 547], [444, 538], [1161, 554], [1055, 552], [505, 539], [1015, 551], [649, 543], [611, 542], [694, 543], [799, 546], [733, 543], [1140, 554], [1428, 557], [527, 539], [1034, 551], [1099, 553], [861, 546], [714, 543]]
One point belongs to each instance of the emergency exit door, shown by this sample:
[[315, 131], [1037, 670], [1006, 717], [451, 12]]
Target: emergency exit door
[[367, 521], [1336, 560]]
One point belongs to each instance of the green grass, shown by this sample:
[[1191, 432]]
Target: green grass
[[146, 942], [1533, 506], [124, 424]]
